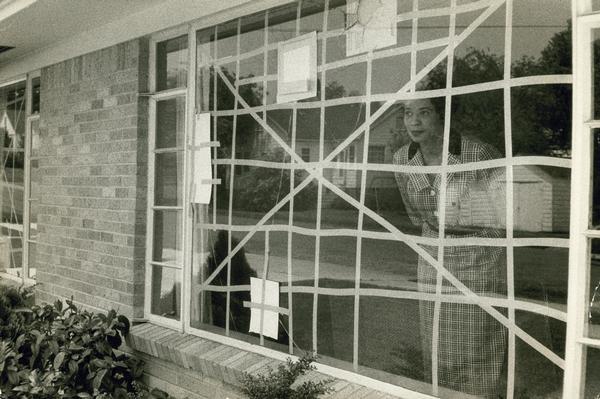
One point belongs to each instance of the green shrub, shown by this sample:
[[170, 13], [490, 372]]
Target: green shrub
[[279, 384], [54, 351], [11, 301]]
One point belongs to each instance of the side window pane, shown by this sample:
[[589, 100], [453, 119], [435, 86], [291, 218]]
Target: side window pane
[[167, 238], [171, 63], [168, 189], [170, 123], [592, 367], [12, 134], [35, 93], [593, 314], [596, 180], [166, 292], [596, 71], [34, 178]]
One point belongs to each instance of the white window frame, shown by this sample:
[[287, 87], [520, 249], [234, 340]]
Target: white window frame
[[583, 22], [153, 98], [584, 124], [29, 118]]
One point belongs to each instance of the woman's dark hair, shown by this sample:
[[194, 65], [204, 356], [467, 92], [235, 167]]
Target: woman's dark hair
[[439, 105]]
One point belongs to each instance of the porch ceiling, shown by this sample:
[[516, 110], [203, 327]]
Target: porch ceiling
[[30, 25]]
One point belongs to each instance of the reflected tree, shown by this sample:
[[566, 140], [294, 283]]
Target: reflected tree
[[541, 114]]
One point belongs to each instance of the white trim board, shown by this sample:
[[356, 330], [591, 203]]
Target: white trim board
[[11, 7]]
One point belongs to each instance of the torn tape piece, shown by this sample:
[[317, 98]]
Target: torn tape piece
[[201, 158]]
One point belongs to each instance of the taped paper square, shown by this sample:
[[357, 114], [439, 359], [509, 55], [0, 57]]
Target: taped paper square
[[270, 322], [297, 68], [201, 159], [370, 25]]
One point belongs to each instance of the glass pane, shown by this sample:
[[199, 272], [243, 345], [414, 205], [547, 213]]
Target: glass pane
[[11, 252], [281, 26], [35, 95], [378, 198], [541, 108], [227, 39], [594, 295], [205, 74], [12, 132], [335, 320], [168, 185], [257, 191], [166, 292], [32, 260], [592, 367], [167, 238], [480, 118], [484, 45], [171, 63], [541, 201], [535, 375], [541, 38], [33, 220], [596, 180], [34, 178], [388, 346], [210, 306], [541, 275], [170, 122]]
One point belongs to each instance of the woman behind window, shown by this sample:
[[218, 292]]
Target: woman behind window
[[471, 343]]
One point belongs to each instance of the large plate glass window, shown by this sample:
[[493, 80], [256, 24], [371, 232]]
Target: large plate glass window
[[415, 212]]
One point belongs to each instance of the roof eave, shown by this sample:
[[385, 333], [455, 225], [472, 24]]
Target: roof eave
[[11, 7]]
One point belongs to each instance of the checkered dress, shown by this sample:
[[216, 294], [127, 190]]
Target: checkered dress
[[472, 344]]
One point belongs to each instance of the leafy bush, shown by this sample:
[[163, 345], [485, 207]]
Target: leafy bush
[[278, 384], [11, 301], [54, 351]]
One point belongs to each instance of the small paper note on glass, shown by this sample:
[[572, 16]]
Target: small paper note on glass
[[202, 172], [296, 73], [270, 320], [297, 68], [370, 25]]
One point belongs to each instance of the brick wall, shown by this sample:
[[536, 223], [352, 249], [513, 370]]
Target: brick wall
[[92, 176]]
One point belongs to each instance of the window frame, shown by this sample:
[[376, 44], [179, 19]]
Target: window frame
[[29, 118], [153, 98], [578, 249], [585, 22]]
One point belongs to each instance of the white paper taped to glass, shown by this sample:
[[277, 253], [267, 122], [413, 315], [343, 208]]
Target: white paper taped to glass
[[202, 180], [262, 321], [297, 68]]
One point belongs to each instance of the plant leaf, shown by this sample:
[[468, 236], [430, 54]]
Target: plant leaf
[[98, 379], [58, 360]]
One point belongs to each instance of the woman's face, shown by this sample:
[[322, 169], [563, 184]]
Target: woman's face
[[423, 123]]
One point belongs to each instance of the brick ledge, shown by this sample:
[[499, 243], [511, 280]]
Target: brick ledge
[[222, 362]]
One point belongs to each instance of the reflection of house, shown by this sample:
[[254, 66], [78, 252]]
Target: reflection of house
[[541, 194], [541, 198], [340, 122]]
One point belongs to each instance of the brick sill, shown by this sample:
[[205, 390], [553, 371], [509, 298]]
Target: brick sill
[[221, 362]]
